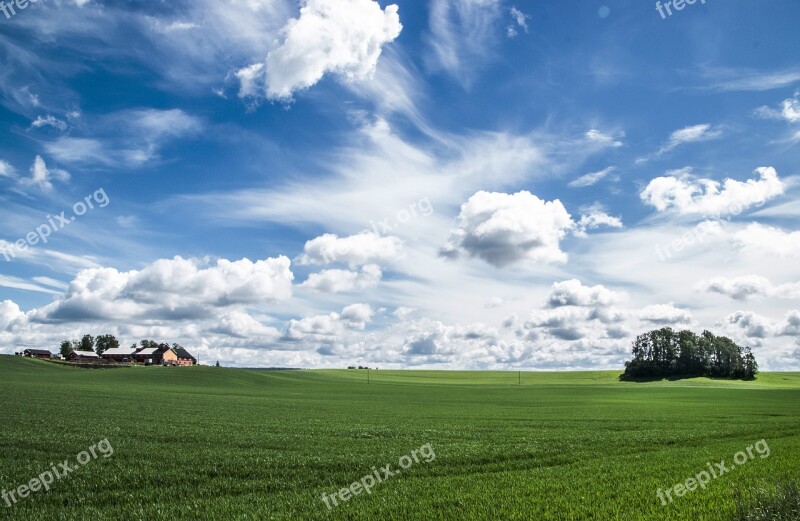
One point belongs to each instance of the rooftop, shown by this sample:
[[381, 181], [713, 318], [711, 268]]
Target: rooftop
[[120, 351]]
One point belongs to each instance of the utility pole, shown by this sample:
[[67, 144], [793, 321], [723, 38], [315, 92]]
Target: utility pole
[[520, 378], [367, 375]]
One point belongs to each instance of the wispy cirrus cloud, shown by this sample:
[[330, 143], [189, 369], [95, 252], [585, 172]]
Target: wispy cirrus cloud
[[8, 281], [42, 176], [7, 169], [130, 137], [597, 137], [463, 34], [49, 121], [747, 80], [683, 136], [592, 178], [691, 134], [59, 260], [520, 22]]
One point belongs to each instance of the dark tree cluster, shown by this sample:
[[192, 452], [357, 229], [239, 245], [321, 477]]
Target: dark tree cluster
[[665, 352], [89, 343]]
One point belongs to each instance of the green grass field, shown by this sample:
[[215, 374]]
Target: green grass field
[[207, 443]]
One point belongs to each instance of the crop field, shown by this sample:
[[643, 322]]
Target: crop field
[[215, 443]]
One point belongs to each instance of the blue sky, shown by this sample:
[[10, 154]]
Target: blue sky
[[453, 183]]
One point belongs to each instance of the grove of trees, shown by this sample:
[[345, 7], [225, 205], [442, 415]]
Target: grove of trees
[[105, 342], [665, 352], [87, 343]]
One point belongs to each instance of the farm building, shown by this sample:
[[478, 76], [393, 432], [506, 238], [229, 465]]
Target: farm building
[[145, 356], [38, 353], [120, 354], [184, 358], [83, 356], [162, 354], [166, 355]]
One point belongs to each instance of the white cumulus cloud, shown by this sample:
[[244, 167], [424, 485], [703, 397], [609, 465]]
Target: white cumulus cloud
[[574, 293], [595, 219], [241, 325], [343, 37], [665, 314], [357, 316], [355, 250], [752, 324], [768, 241], [10, 315], [170, 289], [689, 196], [329, 328], [790, 110], [339, 281], [503, 229]]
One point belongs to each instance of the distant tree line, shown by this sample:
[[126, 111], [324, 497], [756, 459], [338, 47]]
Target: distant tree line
[[665, 352]]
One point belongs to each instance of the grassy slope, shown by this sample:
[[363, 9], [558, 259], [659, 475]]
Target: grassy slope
[[226, 444], [770, 380]]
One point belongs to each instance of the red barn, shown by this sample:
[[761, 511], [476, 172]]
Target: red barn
[[184, 358]]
